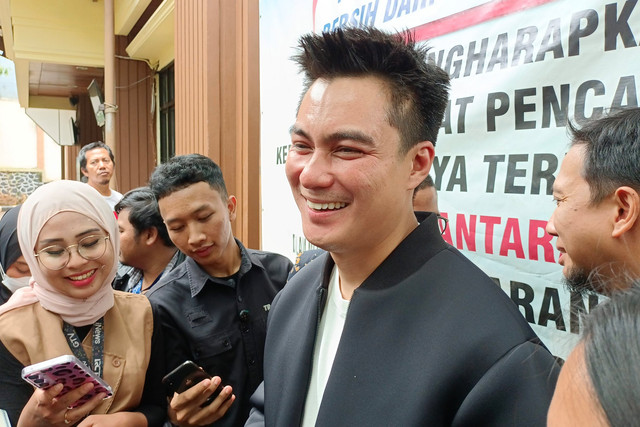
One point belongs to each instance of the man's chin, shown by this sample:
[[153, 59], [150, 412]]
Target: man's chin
[[585, 282]]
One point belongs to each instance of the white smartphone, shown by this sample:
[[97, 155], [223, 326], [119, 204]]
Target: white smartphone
[[68, 370]]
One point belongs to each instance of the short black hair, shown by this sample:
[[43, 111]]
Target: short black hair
[[144, 212], [418, 89], [182, 171], [426, 183], [612, 151], [82, 155]]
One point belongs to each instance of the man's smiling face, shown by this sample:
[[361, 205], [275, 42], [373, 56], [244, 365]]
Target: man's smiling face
[[345, 169]]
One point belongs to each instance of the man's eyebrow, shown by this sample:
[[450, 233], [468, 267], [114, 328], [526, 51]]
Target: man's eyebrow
[[295, 130], [352, 135], [193, 212]]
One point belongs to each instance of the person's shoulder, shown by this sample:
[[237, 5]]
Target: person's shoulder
[[126, 299], [127, 296], [269, 260], [31, 307], [275, 266], [266, 255], [303, 288], [456, 257], [171, 283], [304, 258], [20, 320]]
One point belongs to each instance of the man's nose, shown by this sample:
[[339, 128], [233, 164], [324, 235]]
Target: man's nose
[[317, 172], [196, 236], [550, 227]]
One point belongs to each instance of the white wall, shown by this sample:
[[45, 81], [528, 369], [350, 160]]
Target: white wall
[[18, 133]]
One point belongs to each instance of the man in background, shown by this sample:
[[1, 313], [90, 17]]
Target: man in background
[[597, 195], [146, 251], [97, 165], [425, 196]]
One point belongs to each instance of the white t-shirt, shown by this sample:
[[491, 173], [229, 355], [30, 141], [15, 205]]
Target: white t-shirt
[[113, 199], [327, 340]]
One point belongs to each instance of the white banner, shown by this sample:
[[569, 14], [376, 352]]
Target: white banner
[[520, 69]]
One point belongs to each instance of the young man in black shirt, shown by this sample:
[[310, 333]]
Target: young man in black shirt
[[213, 307]]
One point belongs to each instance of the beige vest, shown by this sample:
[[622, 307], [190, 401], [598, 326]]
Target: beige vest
[[33, 334]]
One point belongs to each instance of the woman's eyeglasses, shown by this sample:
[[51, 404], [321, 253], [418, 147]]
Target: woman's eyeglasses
[[56, 257]]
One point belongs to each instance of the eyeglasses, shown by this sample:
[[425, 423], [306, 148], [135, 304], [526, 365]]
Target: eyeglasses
[[442, 223], [56, 257]]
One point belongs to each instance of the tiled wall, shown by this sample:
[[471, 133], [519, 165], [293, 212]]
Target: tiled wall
[[15, 186]]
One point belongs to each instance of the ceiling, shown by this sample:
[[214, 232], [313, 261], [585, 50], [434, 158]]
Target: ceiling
[[58, 45], [46, 79]]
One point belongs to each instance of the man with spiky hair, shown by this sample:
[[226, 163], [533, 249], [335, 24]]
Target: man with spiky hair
[[597, 194], [391, 326]]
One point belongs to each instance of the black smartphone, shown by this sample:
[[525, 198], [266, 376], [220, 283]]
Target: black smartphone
[[186, 376]]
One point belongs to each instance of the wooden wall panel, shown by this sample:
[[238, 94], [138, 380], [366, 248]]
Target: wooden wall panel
[[88, 131], [136, 151], [135, 124], [250, 172], [217, 56]]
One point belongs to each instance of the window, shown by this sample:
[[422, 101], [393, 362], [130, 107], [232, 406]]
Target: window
[[167, 114]]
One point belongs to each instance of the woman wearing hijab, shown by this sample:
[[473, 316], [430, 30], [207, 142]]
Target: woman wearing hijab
[[69, 238], [14, 271]]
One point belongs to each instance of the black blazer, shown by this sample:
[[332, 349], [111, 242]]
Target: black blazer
[[429, 339]]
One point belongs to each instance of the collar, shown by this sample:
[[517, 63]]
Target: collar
[[198, 277], [424, 242], [175, 259], [133, 275]]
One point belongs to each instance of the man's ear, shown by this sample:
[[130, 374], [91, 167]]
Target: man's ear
[[422, 155], [150, 235], [628, 205], [84, 171], [231, 206]]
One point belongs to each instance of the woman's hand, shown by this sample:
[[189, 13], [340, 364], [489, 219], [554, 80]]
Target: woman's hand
[[46, 408]]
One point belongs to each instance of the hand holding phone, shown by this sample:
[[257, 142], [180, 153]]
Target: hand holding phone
[[69, 371], [186, 376]]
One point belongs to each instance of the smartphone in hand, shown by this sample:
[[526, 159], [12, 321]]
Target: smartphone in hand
[[186, 376], [69, 371]]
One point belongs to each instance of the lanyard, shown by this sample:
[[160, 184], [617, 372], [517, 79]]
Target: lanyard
[[97, 348], [137, 289]]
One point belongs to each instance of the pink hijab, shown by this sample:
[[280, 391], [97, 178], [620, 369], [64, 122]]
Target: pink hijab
[[47, 201]]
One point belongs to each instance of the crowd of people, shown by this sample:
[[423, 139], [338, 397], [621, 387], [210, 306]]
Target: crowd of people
[[384, 324]]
